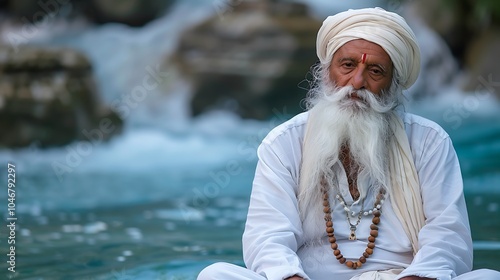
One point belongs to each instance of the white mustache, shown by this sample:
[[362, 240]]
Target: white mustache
[[362, 98], [359, 94]]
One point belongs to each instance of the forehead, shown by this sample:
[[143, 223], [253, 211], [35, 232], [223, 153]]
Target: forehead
[[356, 48]]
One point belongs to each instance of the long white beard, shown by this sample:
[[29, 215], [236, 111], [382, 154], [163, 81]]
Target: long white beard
[[338, 120]]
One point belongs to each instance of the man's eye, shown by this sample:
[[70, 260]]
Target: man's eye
[[348, 64]]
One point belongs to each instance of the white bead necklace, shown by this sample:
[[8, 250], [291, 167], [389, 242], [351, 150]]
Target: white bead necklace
[[353, 227], [365, 212]]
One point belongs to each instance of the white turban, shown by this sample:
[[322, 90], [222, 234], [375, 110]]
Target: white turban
[[386, 29]]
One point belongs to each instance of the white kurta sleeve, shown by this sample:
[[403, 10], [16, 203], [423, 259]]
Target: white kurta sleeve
[[273, 228], [445, 244]]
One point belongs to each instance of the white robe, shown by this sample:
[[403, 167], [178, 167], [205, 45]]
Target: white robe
[[275, 244]]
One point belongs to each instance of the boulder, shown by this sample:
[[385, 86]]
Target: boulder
[[482, 64], [130, 12], [450, 21], [250, 57], [48, 98], [471, 29]]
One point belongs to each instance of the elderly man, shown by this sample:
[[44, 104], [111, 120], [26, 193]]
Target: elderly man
[[355, 188]]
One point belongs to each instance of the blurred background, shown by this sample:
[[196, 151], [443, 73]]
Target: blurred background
[[133, 125]]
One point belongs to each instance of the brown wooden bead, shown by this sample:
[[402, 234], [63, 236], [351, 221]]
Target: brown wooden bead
[[331, 236]]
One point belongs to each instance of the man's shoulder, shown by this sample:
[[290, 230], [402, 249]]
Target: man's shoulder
[[293, 128], [418, 125]]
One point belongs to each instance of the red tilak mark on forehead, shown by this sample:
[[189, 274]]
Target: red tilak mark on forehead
[[363, 58]]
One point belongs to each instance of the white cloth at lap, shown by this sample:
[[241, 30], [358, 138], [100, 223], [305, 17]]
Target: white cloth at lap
[[226, 271]]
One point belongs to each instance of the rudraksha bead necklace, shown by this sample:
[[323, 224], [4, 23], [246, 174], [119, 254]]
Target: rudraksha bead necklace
[[373, 232]]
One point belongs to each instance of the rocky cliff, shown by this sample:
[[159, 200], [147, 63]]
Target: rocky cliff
[[129, 12], [48, 97], [471, 29], [250, 58]]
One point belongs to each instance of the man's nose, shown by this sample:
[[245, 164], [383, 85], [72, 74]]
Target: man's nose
[[358, 80]]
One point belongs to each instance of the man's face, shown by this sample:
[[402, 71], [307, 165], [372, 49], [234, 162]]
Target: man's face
[[362, 64]]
